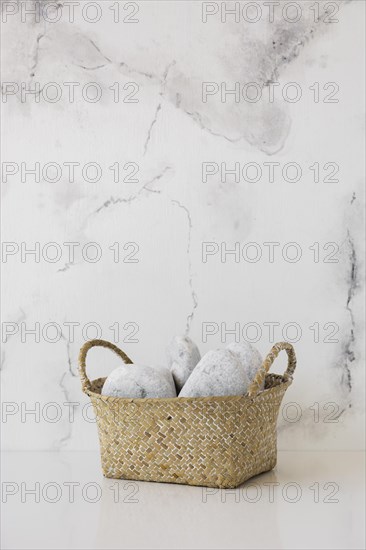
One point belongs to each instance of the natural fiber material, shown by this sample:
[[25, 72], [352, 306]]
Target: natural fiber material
[[209, 441]]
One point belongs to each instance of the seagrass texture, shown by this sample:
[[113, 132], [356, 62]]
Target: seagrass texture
[[208, 441]]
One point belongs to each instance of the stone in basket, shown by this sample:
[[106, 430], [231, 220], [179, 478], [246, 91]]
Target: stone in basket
[[207, 441]]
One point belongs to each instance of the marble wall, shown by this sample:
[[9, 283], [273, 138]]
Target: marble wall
[[176, 167]]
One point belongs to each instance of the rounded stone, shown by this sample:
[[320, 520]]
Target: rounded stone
[[138, 381], [183, 355], [248, 356], [218, 373]]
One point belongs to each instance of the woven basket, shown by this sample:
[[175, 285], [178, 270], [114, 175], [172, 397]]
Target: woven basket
[[207, 441]]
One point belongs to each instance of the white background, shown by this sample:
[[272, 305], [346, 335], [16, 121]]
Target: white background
[[170, 212]]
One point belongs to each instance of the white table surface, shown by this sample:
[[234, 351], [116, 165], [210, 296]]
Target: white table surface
[[311, 500]]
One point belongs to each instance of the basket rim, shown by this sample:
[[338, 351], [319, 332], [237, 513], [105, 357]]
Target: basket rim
[[283, 385]]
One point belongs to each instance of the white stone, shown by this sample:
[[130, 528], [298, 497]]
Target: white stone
[[248, 356], [139, 381], [183, 355], [218, 373]]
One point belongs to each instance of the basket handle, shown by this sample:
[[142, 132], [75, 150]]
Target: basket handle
[[261, 373], [85, 382]]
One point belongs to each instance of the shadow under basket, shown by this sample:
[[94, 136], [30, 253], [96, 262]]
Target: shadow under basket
[[206, 441]]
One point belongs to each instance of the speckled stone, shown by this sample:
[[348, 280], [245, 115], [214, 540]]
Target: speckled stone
[[218, 373], [183, 355], [248, 356], [139, 381]]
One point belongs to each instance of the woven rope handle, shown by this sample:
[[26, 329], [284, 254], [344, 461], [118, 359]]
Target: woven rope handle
[[85, 382], [267, 363]]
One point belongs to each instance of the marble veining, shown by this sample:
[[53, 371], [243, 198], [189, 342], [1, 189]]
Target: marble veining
[[167, 211]]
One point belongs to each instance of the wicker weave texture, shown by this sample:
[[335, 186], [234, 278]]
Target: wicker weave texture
[[210, 441]]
